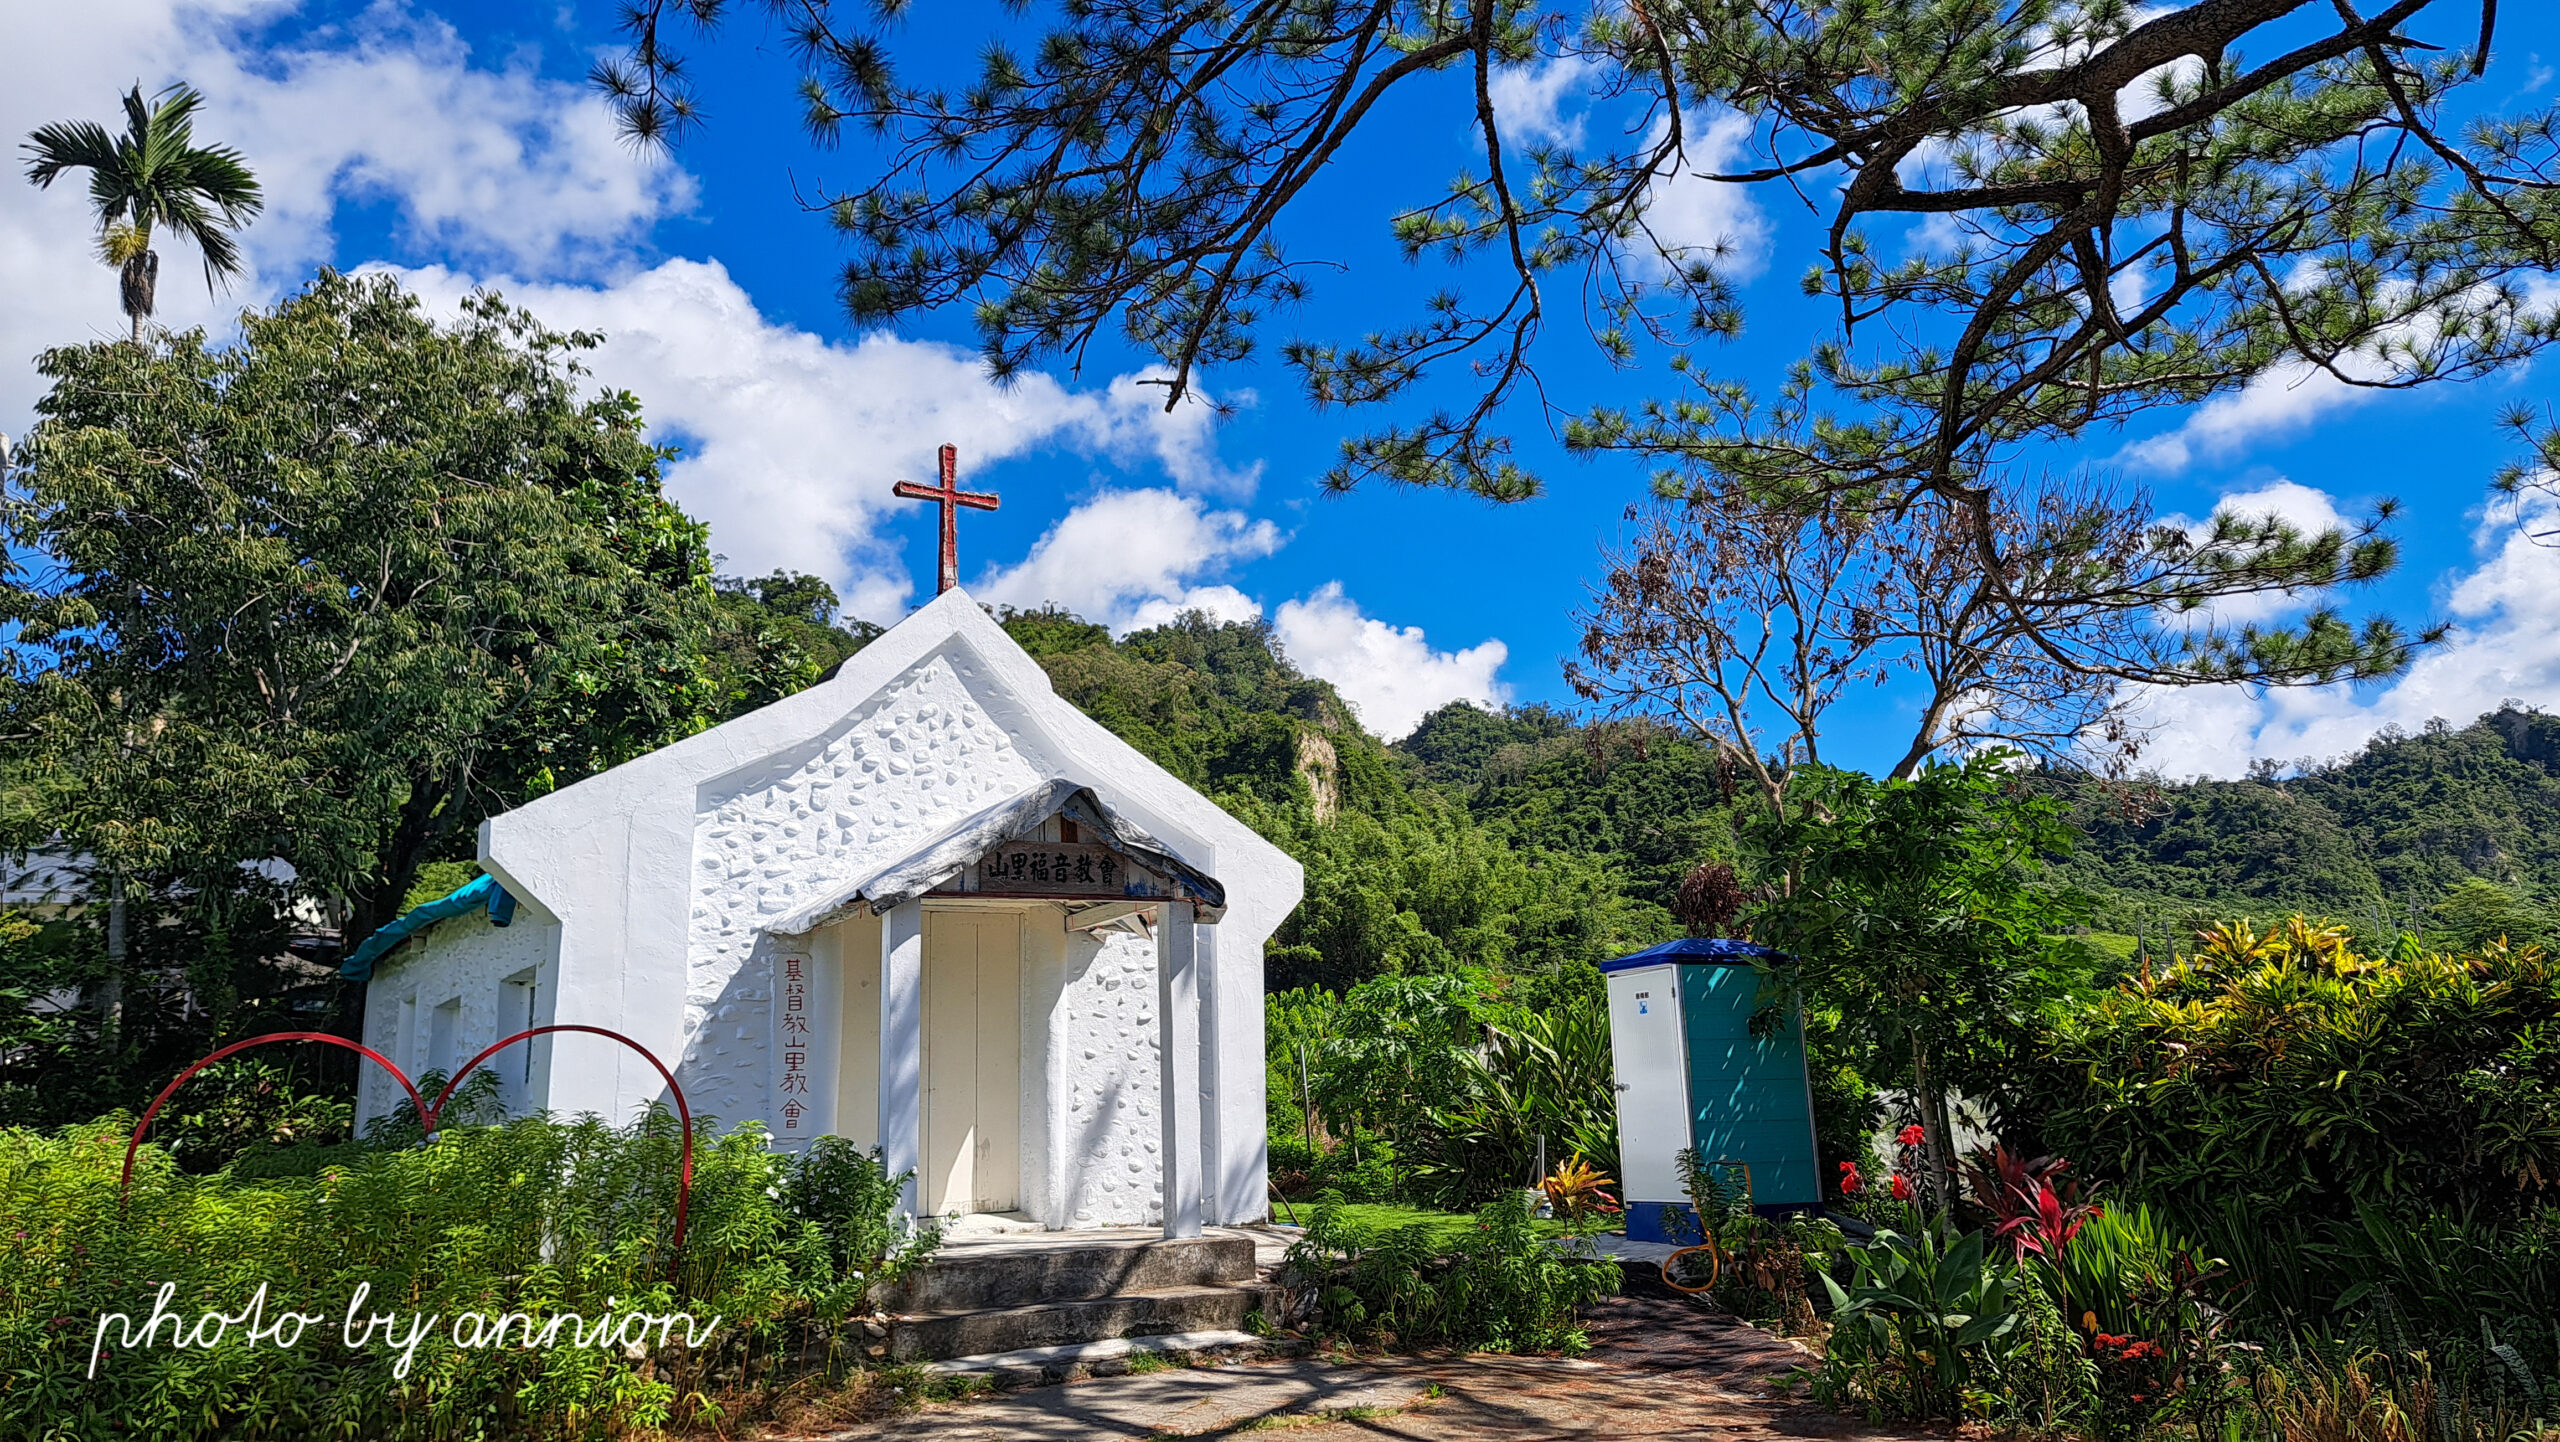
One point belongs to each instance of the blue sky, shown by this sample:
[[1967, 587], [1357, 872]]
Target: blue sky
[[456, 143]]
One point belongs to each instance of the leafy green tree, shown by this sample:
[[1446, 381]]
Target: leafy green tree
[[1633, 793], [153, 177], [2475, 914], [1466, 1077], [1421, 891], [331, 594], [1460, 744], [1921, 924], [774, 635]]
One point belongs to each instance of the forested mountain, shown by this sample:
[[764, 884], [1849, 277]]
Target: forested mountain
[[2454, 829], [1524, 838]]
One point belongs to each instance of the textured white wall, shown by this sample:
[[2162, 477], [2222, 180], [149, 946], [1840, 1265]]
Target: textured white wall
[[461, 958], [1106, 1041], [919, 756]]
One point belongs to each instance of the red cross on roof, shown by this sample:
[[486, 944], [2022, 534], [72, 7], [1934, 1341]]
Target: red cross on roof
[[951, 498]]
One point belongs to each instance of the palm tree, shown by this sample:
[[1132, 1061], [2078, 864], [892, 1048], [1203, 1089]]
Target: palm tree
[[153, 175]]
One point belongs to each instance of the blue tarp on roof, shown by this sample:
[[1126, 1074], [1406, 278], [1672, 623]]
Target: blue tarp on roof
[[1697, 951], [482, 890]]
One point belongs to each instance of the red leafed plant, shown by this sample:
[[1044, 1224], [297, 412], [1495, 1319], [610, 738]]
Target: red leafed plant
[[2034, 1208], [1578, 1192]]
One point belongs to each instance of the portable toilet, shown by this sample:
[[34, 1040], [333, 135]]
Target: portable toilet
[[1691, 1074]]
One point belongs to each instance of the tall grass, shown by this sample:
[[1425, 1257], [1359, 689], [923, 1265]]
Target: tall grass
[[2426, 1282]]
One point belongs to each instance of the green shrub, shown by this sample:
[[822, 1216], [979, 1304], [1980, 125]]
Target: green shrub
[[2149, 1304], [1502, 1289], [1926, 1318], [242, 1102], [1361, 1169], [1771, 1266], [539, 1216], [1459, 1075], [2042, 1381], [2287, 1070], [2123, 1274], [853, 1202], [1291, 1161], [1543, 1082], [2333, 1394]]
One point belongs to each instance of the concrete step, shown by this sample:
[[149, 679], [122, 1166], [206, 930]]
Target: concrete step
[[1003, 1274], [1041, 1366], [1141, 1312]]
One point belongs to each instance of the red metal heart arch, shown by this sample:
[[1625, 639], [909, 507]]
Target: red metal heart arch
[[430, 1115]]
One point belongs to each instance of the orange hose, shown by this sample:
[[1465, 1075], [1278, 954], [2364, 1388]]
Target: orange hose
[[1715, 1267]]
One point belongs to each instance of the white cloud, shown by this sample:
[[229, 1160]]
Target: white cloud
[[2305, 508], [1389, 674], [2152, 91], [2287, 398], [1529, 100], [489, 163], [2506, 645], [792, 442], [1715, 220], [1220, 603], [2283, 401], [1182, 440], [1134, 558], [497, 164], [1938, 233]]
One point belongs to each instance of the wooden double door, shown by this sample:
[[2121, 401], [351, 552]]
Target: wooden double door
[[972, 1061]]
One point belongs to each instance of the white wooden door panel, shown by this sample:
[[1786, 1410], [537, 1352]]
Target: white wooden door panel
[[972, 1061]]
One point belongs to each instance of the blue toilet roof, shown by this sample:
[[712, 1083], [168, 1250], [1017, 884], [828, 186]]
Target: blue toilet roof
[[1697, 951]]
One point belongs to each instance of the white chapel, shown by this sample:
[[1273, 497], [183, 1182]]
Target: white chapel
[[925, 905]]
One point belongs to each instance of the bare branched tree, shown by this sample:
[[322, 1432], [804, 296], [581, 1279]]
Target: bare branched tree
[[1747, 620]]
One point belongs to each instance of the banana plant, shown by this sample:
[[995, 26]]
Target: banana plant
[[1922, 1308]]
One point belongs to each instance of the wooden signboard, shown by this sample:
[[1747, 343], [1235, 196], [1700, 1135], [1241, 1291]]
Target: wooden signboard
[[1084, 869]]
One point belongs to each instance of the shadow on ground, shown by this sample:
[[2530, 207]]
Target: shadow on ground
[[1660, 1366]]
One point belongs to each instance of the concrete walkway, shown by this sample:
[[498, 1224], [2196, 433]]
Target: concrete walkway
[[1658, 1368]]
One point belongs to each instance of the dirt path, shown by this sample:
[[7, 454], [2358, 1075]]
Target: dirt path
[[1659, 1367]]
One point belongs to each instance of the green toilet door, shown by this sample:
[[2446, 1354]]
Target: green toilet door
[[1748, 1098]]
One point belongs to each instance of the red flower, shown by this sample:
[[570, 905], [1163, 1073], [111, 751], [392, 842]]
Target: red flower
[[1910, 1136], [1849, 1178], [1901, 1187]]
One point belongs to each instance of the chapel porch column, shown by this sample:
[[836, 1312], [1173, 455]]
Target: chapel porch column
[[902, 1049], [1178, 1078]]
